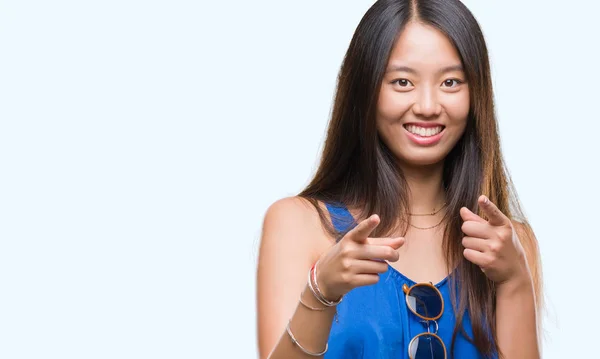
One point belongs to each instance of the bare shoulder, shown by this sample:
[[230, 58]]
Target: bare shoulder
[[292, 240], [292, 208], [294, 223], [528, 240], [524, 232]]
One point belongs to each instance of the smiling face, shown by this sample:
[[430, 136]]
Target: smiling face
[[424, 99]]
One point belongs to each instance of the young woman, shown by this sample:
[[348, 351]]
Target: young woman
[[409, 241]]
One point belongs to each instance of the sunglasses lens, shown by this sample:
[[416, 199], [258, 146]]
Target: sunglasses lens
[[425, 301], [426, 346]]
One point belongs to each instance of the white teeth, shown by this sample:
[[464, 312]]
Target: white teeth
[[423, 131]]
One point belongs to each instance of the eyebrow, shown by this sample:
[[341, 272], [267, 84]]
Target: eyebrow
[[413, 71]]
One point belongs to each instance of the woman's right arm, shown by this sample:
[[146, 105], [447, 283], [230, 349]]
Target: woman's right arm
[[292, 241]]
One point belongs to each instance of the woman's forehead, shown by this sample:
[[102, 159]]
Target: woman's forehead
[[423, 48]]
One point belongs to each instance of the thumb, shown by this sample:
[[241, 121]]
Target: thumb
[[467, 215]]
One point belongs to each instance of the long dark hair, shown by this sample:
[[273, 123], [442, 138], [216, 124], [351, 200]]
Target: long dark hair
[[358, 170]]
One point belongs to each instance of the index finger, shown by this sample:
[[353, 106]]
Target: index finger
[[496, 217], [360, 233]]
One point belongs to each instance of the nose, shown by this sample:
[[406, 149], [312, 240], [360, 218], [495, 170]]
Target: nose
[[427, 105]]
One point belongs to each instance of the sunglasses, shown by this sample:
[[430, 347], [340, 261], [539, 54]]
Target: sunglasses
[[426, 302]]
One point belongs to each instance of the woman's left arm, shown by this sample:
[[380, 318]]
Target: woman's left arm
[[494, 245], [516, 319]]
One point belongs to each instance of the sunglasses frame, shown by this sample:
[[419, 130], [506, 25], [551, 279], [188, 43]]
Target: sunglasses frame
[[430, 334], [407, 291]]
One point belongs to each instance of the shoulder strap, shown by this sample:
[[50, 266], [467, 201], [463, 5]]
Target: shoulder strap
[[341, 218]]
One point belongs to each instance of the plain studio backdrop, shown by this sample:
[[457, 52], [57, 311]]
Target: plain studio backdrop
[[142, 141]]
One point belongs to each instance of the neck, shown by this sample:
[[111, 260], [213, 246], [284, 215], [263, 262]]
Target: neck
[[426, 191]]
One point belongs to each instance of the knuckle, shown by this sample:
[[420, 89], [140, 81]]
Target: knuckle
[[346, 277], [346, 264], [350, 235], [495, 247], [346, 250], [360, 228], [496, 212]]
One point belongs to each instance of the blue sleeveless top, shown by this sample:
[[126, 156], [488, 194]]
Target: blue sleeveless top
[[374, 321]]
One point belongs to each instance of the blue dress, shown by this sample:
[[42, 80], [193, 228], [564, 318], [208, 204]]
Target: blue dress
[[374, 321]]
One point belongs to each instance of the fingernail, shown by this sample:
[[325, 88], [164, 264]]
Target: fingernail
[[485, 200]]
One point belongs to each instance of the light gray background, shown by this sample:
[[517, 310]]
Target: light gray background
[[142, 141]]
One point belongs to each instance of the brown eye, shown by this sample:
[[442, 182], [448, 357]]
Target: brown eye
[[402, 82], [450, 82]]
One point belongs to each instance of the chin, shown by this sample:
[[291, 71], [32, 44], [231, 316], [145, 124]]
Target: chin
[[421, 161]]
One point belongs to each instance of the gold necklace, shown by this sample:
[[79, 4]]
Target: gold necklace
[[429, 214], [412, 225]]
